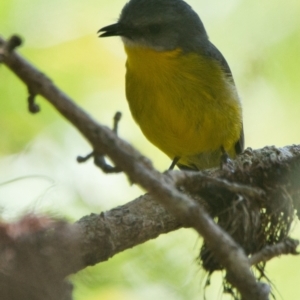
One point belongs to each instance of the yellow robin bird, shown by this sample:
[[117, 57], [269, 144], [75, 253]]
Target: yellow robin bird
[[179, 86]]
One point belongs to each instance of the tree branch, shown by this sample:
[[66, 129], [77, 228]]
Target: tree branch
[[288, 246]]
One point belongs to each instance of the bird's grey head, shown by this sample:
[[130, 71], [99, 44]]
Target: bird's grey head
[[159, 24]]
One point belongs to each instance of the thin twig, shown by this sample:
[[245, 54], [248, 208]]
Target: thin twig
[[194, 182], [117, 119], [288, 246], [99, 158]]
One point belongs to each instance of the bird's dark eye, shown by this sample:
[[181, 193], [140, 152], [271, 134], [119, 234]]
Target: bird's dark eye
[[154, 29]]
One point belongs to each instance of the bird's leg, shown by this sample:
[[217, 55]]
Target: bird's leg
[[225, 160], [174, 162]]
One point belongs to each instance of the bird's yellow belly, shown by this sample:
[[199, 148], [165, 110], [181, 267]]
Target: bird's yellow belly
[[182, 103]]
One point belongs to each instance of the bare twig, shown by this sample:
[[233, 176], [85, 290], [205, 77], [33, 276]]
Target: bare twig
[[288, 246], [32, 106], [194, 182], [7, 47], [99, 158], [117, 119]]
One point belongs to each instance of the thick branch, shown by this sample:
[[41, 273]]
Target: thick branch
[[111, 232]]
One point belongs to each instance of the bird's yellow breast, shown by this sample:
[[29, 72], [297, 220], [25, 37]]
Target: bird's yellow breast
[[183, 103]]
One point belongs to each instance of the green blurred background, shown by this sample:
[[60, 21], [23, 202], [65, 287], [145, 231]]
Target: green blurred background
[[38, 170]]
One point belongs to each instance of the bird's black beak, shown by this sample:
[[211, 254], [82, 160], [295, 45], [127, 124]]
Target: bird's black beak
[[111, 30]]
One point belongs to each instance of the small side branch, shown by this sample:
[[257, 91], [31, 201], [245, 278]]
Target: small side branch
[[99, 159], [288, 246]]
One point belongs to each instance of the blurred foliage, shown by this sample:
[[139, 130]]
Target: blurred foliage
[[260, 40]]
